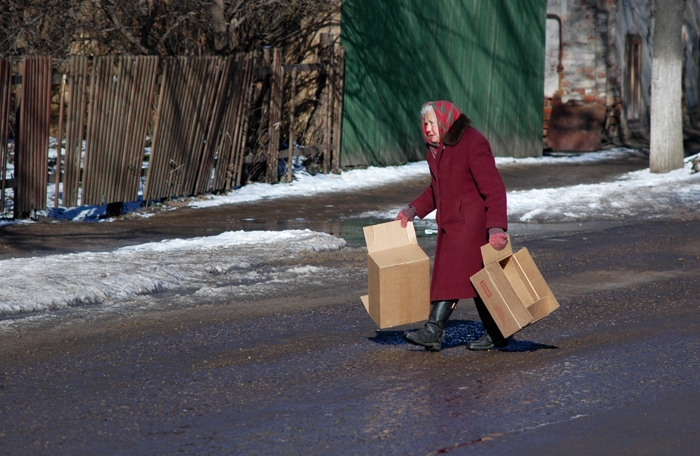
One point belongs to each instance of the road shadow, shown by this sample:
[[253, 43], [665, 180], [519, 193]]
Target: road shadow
[[459, 333]]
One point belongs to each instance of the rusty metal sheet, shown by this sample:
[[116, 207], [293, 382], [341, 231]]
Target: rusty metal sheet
[[31, 153], [276, 100], [237, 167], [184, 120], [576, 125], [121, 96], [75, 130], [5, 95], [228, 141]]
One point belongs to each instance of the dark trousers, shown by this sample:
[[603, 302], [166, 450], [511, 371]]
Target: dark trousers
[[487, 321]]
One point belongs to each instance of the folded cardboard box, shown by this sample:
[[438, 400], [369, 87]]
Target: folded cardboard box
[[513, 289], [399, 275]]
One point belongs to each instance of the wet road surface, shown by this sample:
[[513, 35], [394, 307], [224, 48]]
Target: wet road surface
[[305, 371]]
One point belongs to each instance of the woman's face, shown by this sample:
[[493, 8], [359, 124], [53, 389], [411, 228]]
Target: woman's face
[[431, 127]]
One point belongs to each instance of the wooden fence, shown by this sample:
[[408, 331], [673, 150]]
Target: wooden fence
[[196, 111]]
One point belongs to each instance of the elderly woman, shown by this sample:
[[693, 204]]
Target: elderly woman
[[470, 198]]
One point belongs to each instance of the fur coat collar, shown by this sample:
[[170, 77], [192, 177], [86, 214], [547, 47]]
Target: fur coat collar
[[454, 134]]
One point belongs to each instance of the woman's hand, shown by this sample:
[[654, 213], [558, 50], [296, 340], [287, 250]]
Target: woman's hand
[[497, 238], [406, 215]]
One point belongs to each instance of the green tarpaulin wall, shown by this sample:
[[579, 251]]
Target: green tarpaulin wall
[[486, 56]]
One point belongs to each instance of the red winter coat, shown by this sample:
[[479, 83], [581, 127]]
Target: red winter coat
[[469, 195]]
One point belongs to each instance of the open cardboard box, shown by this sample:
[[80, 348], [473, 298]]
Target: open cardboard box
[[513, 289], [399, 275]]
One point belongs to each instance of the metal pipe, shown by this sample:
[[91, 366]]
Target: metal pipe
[[560, 67]]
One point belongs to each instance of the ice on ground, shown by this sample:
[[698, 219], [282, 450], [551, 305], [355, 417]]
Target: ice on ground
[[217, 264]]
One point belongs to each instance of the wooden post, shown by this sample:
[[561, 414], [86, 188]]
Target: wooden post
[[276, 88], [5, 93], [246, 118], [329, 150], [327, 58], [57, 172], [291, 125], [338, 113]]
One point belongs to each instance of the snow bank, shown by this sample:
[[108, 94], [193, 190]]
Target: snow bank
[[228, 261]]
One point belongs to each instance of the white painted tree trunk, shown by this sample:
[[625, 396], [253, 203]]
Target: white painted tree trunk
[[666, 88]]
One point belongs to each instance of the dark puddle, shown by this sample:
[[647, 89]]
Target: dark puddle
[[459, 333]]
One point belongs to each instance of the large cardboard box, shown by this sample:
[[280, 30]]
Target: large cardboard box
[[399, 275], [513, 289]]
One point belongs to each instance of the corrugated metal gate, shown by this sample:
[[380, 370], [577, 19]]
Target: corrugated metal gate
[[486, 57]]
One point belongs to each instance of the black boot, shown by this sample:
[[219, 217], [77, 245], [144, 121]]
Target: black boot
[[485, 343], [430, 336], [493, 337]]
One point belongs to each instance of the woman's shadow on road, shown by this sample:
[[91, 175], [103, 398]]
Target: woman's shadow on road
[[460, 333]]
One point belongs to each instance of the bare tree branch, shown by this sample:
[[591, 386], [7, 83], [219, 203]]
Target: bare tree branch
[[115, 20]]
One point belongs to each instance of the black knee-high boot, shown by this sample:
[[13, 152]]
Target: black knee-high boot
[[430, 336], [493, 337]]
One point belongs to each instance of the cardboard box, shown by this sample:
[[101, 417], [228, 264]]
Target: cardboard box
[[513, 289], [399, 275]]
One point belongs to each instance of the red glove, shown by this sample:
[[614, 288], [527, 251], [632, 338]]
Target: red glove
[[406, 215], [497, 238]]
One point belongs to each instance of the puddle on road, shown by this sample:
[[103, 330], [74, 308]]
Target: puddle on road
[[351, 229]]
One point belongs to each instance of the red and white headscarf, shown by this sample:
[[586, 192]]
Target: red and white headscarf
[[446, 114]]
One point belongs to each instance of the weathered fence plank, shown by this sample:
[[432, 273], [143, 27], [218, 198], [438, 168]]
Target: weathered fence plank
[[276, 100], [228, 143], [59, 146], [5, 95], [246, 119], [292, 107], [75, 131], [338, 106], [32, 148]]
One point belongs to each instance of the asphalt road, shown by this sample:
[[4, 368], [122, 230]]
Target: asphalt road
[[305, 371]]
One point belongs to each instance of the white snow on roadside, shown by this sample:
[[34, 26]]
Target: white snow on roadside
[[227, 263], [307, 185], [636, 194]]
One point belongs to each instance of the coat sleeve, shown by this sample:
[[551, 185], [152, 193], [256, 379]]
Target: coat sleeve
[[489, 183], [425, 203]]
